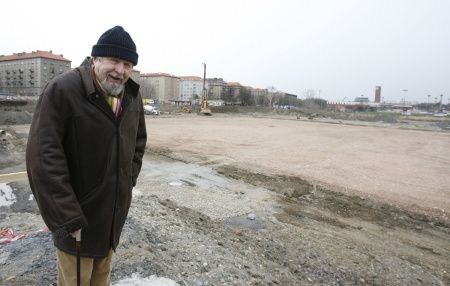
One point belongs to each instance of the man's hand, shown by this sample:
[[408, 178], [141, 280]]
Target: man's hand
[[77, 235]]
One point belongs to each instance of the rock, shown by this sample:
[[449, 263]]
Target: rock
[[251, 216], [205, 267], [4, 257]]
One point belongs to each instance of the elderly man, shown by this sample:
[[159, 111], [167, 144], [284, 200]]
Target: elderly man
[[84, 154]]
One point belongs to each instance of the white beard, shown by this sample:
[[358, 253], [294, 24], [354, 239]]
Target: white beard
[[112, 89]]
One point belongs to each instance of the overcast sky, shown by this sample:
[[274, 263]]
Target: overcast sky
[[339, 48]]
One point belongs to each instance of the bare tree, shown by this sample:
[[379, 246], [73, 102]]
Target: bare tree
[[245, 96], [314, 103], [271, 95], [228, 94], [309, 93], [261, 100]]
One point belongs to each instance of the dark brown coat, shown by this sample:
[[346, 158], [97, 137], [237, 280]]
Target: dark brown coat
[[82, 162]]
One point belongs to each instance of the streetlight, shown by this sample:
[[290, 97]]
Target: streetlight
[[428, 103]]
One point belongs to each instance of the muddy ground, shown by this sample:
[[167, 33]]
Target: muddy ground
[[398, 165], [200, 221]]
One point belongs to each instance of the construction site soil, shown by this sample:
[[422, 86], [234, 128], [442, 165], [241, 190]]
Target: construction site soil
[[263, 199]]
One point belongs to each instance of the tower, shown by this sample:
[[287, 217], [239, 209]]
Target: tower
[[377, 94]]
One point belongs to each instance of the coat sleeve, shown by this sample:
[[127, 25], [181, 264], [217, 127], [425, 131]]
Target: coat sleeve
[[141, 141], [47, 167]]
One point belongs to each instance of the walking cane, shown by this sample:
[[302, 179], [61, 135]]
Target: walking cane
[[78, 246]]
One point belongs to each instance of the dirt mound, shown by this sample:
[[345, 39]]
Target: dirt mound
[[12, 150], [17, 110]]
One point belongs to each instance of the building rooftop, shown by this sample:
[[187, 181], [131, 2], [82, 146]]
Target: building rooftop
[[190, 78], [361, 99], [157, 75], [233, 84], [32, 55]]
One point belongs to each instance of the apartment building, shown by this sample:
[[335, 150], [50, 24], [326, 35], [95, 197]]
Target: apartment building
[[135, 75], [231, 93], [28, 73], [191, 87], [160, 86], [215, 87]]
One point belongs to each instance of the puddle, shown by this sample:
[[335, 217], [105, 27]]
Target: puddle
[[244, 221], [176, 184], [201, 188], [179, 174], [7, 197]]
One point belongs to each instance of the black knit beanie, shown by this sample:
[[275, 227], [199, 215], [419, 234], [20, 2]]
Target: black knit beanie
[[116, 43]]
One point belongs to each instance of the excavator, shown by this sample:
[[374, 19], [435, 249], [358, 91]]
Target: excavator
[[204, 109]]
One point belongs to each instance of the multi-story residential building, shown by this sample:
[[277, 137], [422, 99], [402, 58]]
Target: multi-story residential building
[[161, 86], [191, 87], [135, 75], [258, 92], [215, 87], [231, 93], [291, 99], [28, 73]]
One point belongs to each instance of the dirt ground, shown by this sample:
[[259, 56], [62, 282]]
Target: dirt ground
[[238, 200], [407, 168]]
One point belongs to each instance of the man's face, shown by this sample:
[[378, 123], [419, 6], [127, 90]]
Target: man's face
[[112, 73]]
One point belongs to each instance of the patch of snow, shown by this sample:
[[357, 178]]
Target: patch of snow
[[175, 184], [7, 197], [31, 197], [251, 216], [136, 280], [136, 192]]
